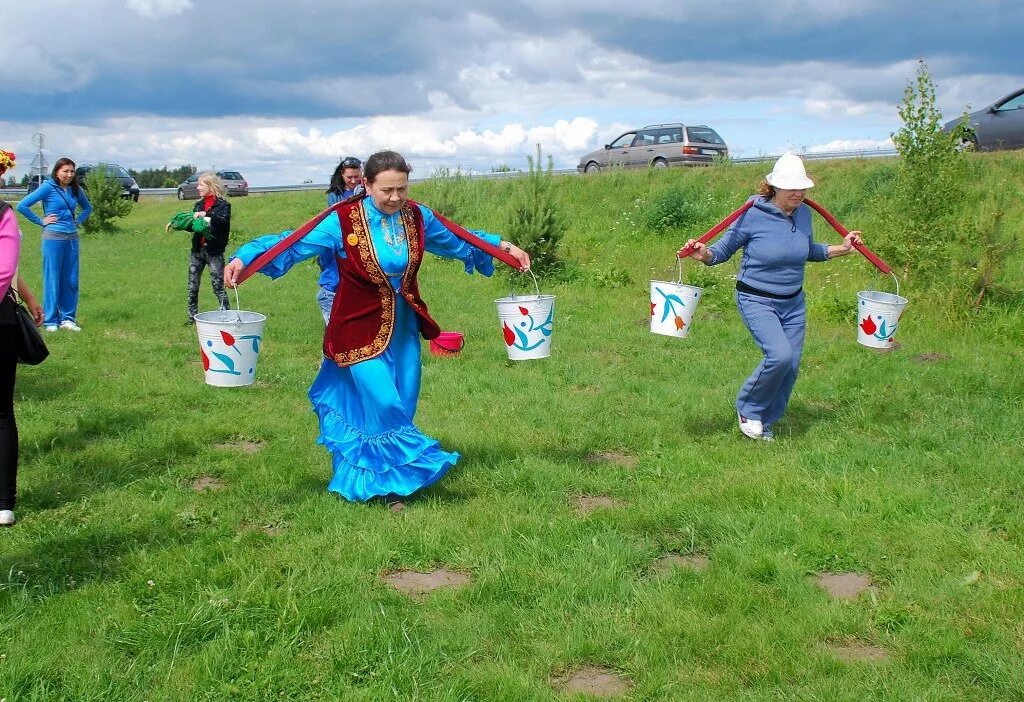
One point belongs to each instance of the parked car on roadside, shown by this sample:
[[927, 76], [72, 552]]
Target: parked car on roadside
[[658, 146], [234, 184], [998, 126], [35, 181], [129, 188]]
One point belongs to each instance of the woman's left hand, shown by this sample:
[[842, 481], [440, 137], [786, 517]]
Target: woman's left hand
[[521, 256], [847, 246], [37, 311], [197, 215]]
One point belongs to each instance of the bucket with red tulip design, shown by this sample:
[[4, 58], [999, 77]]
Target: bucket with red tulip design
[[878, 317], [526, 324], [229, 345]]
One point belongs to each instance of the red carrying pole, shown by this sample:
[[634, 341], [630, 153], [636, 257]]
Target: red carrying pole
[[716, 230], [274, 251], [471, 238], [843, 231]]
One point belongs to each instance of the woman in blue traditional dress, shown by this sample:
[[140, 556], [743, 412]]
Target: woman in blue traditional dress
[[366, 392]]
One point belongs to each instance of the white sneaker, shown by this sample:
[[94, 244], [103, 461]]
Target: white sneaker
[[70, 326], [50, 327], [6, 517], [750, 427]]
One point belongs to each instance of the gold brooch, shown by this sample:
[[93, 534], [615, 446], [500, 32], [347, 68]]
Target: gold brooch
[[353, 239]]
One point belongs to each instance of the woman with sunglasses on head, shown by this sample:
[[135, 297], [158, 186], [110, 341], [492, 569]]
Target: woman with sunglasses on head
[[10, 248], [368, 386], [346, 182], [61, 195]]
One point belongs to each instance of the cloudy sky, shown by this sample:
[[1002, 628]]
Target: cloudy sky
[[280, 89]]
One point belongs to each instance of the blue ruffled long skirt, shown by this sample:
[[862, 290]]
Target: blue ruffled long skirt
[[366, 420]]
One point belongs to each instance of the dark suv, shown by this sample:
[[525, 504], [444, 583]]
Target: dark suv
[[234, 184], [129, 188], [35, 181], [658, 146]]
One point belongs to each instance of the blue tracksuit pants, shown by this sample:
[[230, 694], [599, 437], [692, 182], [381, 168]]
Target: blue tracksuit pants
[[60, 280], [778, 327]]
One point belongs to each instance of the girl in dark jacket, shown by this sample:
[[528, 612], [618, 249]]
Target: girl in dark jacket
[[208, 247]]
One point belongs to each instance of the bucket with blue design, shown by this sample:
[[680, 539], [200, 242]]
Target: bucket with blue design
[[526, 324], [229, 345], [878, 317]]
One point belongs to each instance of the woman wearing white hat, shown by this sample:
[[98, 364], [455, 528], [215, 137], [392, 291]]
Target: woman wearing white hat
[[777, 241]]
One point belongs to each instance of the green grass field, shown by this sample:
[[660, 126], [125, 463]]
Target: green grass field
[[123, 582]]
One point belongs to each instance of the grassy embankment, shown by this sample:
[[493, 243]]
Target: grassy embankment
[[121, 582]]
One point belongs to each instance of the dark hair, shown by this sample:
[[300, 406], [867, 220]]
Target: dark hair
[[384, 161], [61, 162], [337, 185]]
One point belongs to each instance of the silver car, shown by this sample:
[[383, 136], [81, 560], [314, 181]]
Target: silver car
[[234, 184], [998, 126], [658, 146]]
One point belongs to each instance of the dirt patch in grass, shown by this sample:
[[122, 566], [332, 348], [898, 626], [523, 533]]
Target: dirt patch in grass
[[845, 586], [857, 652], [930, 357], [417, 584], [270, 528], [249, 447], [621, 458], [585, 389], [585, 504], [207, 483], [670, 561], [594, 681]]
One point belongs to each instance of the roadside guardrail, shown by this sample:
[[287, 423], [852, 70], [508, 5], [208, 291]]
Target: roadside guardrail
[[18, 193]]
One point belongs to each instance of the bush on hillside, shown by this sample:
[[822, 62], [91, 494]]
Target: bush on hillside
[[535, 224], [104, 191], [448, 191], [937, 242], [678, 207]]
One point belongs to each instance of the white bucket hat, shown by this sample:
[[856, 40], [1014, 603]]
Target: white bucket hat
[[789, 174]]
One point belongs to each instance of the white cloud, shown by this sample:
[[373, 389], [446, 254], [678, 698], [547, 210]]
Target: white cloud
[[852, 145], [159, 8], [277, 151]]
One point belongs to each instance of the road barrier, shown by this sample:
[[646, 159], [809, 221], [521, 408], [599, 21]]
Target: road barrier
[[18, 193]]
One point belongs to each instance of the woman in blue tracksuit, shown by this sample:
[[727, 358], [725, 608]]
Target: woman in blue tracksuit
[[777, 241], [61, 197]]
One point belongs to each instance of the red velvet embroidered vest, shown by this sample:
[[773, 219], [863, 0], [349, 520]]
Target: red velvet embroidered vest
[[363, 316]]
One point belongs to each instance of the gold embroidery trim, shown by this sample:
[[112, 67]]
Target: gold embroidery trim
[[361, 228], [412, 237]]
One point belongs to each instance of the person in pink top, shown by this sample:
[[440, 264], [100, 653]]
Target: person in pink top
[[10, 247]]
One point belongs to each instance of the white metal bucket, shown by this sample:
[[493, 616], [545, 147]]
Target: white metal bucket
[[878, 317], [526, 324], [672, 307], [229, 344]]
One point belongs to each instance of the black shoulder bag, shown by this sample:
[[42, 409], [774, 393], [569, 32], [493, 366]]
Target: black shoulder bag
[[31, 348]]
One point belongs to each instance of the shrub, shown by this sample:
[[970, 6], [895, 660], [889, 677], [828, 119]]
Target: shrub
[[535, 224], [929, 186], [448, 191], [104, 191], [678, 207]]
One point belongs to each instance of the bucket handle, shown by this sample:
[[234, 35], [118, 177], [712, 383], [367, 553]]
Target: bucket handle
[[536, 286], [679, 272], [238, 309]]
